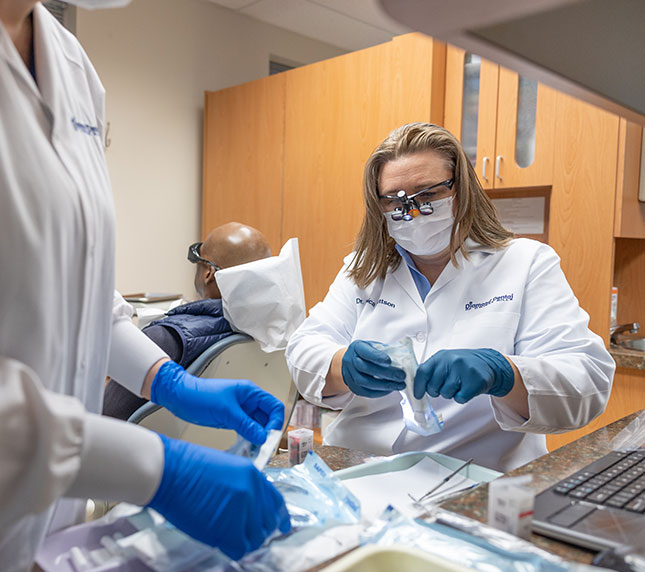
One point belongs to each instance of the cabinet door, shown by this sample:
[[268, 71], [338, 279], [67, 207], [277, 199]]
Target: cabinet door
[[337, 112], [525, 132], [470, 109], [243, 152]]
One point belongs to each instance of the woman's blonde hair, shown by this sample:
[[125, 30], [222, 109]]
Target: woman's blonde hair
[[475, 215]]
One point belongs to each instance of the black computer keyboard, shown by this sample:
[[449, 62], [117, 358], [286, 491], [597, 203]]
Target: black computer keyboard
[[616, 480]]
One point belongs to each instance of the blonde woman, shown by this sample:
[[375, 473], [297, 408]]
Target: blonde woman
[[504, 349]]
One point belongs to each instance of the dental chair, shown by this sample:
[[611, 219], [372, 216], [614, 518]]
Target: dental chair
[[234, 357]]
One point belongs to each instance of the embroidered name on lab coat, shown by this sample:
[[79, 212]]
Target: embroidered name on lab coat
[[84, 127], [473, 306], [373, 304]]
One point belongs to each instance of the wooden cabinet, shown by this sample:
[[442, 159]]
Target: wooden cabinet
[[494, 94], [630, 213], [286, 153], [337, 111], [243, 156]]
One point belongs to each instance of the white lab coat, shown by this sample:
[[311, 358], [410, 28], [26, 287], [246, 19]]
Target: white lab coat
[[62, 328], [514, 300]]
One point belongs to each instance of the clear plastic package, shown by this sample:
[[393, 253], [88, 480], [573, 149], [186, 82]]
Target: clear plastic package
[[419, 414], [259, 454], [467, 542], [632, 436], [313, 494]]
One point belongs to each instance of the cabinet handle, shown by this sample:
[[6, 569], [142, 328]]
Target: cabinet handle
[[484, 162], [498, 161]]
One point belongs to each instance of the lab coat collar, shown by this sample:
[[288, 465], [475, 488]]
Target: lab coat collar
[[403, 276], [477, 254], [9, 54], [49, 72]]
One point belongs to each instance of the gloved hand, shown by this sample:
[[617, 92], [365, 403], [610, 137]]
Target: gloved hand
[[369, 372], [463, 374], [219, 499], [236, 404]]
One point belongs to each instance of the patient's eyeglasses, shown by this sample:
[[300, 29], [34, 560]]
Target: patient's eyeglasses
[[195, 257]]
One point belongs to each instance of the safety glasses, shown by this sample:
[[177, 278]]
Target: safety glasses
[[195, 257]]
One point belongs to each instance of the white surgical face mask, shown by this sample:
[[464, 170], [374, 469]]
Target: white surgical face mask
[[98, 4], [427, 234]]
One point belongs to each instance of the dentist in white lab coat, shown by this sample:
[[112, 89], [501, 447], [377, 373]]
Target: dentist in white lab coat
[[504, 349], [62, 329]]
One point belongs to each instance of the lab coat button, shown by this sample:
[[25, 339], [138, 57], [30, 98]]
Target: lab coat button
[[421, 337]]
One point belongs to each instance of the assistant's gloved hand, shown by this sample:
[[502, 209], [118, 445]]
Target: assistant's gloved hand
[[236, 404], [463, 374], [219, 499], [369, 372]]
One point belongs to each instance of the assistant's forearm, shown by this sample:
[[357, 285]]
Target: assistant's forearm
[[150, 376], [334, 384]]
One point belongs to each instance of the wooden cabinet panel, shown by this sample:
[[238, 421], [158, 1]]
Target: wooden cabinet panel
[[487, 115], [629, 278], [582, 204], [627, 396], [243, 155], [497, 123], [630, 213], [337, 111], [540, 171]]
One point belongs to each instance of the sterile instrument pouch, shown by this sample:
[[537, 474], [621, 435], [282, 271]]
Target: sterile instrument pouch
[[259, 454], [419, 415], [466, 542], [314, 495], [631, 437]]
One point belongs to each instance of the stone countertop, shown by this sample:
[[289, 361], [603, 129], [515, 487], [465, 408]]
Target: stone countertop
[[336, 457], [546, 470], [625, 357]]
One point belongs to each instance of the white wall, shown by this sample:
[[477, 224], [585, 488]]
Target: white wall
[[156, 58]]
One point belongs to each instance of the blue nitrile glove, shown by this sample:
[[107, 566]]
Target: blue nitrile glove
[[219, 499], [369, 372], [463, 374], [236, 404]]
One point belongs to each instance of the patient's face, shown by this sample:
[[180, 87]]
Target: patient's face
[[200, 277]]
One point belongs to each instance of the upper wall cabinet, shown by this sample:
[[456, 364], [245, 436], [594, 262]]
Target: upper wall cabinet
[[337, 112], [630, 212], [243, 156], [505, 122], [286, 153]]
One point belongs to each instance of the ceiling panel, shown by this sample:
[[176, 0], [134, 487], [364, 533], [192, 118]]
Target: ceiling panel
[[319, 22], [368, 11], [350, 25]]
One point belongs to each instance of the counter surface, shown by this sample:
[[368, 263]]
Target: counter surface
[[625, 357], [546, 470]]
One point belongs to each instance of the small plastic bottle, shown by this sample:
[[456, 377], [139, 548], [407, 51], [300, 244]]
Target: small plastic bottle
[[613, 320]]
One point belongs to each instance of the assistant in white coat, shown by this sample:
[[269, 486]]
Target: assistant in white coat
[[62, 326], [512, 298]]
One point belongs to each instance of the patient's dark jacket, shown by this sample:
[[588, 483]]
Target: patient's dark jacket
[[184, 333]]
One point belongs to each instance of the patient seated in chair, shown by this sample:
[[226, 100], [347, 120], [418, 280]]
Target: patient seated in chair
[[187, 330]]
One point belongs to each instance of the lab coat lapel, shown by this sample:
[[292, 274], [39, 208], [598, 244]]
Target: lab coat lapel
[[52, 79], [404, 277], [9, 54], [476, 252]]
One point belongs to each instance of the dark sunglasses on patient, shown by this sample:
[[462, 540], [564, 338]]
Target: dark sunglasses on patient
[[194, 255]]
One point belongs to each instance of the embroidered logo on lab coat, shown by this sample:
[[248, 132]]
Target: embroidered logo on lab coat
[[85, 128], [373, 303], [476, 306]]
